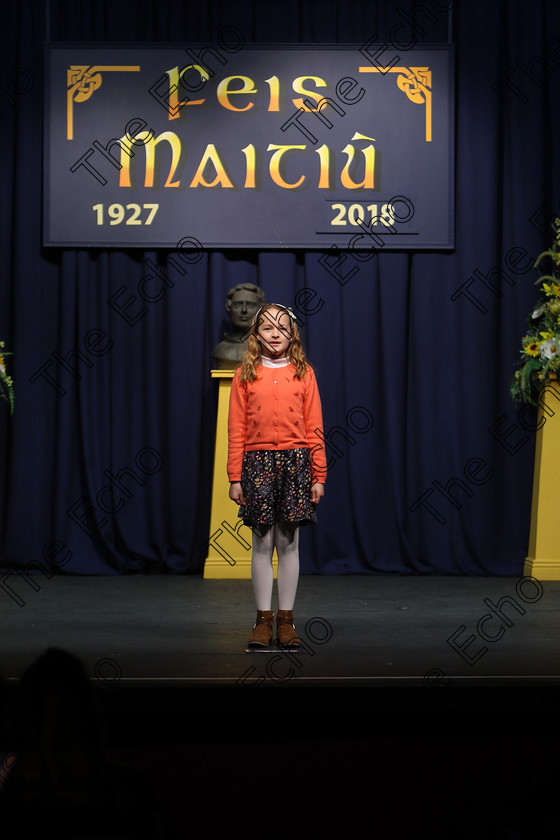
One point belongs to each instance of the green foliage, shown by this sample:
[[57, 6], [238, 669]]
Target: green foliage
[[6, 383], [540, 346]]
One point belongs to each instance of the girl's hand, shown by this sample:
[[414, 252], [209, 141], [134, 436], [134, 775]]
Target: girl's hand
[[236, 492], [317, 492]]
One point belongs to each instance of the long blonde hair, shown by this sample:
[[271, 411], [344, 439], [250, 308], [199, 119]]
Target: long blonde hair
[[253, 353]]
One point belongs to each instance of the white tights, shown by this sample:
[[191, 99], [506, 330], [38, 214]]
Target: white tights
[[285, 537]]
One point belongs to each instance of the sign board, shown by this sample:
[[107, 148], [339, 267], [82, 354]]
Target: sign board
[[236, 146]]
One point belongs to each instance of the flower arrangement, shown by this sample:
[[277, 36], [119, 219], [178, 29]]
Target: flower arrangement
[[6, 383], [540, 346]]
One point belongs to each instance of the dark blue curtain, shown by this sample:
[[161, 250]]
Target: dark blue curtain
[[431, 466]]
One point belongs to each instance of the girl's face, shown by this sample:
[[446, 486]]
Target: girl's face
[[274, 332]]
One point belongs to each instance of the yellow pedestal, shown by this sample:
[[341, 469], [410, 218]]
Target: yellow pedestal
[[230, 542], [543, 561]]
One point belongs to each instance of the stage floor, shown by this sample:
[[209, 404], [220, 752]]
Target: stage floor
[[154, 630], [381, 721]]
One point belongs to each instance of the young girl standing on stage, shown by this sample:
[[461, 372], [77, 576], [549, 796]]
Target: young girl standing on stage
[[276, 461]]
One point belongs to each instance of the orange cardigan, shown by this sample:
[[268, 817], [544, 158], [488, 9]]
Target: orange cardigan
[[276, 411]]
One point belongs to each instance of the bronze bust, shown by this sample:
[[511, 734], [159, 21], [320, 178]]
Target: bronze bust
[[242, 303]]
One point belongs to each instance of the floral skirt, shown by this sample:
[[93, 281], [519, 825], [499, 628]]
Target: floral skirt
[[277, 487]]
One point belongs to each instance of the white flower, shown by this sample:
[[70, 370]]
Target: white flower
[[549, 349], [538, 311]]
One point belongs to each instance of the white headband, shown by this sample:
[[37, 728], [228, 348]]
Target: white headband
[[279, 306]]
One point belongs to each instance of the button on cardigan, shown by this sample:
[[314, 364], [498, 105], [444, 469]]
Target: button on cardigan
[[276, 411]]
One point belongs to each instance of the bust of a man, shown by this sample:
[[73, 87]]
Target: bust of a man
[[242, 303]]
